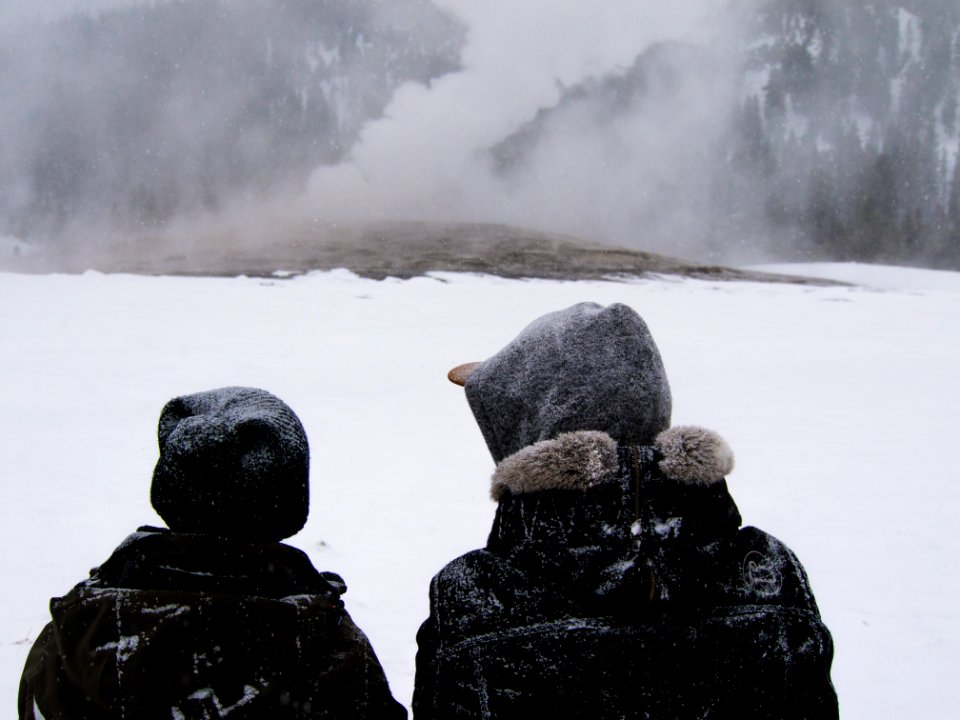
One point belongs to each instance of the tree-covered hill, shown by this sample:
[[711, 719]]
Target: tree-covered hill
[[853, 128], [810, 129], [139, 113], [840, 141]]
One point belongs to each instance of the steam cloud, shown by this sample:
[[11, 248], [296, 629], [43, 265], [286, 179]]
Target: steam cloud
[[634, 178], [606, 178], [722, 131]]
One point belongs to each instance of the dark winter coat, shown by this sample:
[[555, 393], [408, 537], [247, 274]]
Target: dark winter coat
[[182, 626], [617, 583]]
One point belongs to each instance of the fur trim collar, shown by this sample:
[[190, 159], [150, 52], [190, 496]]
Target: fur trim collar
[[580, 460], [570, 461], [694, 455]]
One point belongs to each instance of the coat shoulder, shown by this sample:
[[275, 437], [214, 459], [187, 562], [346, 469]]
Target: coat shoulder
[[768, 570], [197, 653]]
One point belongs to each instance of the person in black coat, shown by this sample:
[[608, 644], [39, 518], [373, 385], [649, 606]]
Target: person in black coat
[[214, 617], [617, 581]]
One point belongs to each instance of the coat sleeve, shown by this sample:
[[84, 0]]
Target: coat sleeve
[[41, 668], [428, 659], [377, 702], [787, 628]]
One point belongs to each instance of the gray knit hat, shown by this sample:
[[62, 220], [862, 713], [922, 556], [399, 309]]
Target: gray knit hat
[[584, 368], [233, 462]]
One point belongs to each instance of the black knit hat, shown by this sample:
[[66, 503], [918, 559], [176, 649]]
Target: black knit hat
[[233, 462]]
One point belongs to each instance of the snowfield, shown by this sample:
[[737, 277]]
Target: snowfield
[[841, 404]]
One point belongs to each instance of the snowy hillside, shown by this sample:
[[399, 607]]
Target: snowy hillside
[[727, 132], [839, 402], [142, 111]]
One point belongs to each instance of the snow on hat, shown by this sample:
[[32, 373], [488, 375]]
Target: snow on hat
[[233, 462], [587, 367]]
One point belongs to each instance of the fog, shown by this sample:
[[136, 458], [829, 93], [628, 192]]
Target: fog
[[628, 179], [717, 131]]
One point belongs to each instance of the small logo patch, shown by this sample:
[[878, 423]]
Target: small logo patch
[[761, 575]]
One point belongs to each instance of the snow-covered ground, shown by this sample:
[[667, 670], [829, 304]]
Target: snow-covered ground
[[840, 403]]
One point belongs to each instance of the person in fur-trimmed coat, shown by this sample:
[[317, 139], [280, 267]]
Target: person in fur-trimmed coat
[[214, 617], [616, 581]]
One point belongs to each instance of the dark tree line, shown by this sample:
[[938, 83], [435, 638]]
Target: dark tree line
[[842, 142], [853, 139]]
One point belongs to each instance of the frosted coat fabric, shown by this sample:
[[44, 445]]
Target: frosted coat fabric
[[174, 625], [639, 597]]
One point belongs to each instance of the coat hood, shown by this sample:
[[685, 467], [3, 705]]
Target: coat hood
[[587, 367]]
